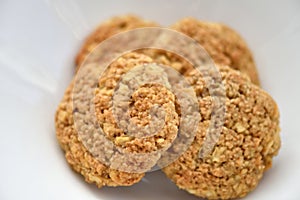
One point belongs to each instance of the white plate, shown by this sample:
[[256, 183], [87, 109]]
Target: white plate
[[38, 41]]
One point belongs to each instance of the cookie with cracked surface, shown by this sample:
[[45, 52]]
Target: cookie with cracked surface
[[248, 141], [78, 156], [86, 150], [223, 44], [107, 29]]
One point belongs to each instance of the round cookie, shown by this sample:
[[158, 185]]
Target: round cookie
[[223, 44], [107, 29], [248, 141], [83, 159]]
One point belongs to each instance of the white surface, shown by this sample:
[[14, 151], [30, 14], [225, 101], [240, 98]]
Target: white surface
[[38, 40]]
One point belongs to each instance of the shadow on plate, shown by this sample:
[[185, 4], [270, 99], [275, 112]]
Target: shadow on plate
[[155, 185]]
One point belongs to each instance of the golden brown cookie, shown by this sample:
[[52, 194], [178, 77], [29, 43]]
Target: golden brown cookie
[[223, 44], [82, 157], [248, 141], [249, 137], [77, 155], [107, 29]]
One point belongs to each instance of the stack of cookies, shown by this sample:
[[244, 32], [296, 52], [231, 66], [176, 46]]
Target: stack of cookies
[[121, 114]]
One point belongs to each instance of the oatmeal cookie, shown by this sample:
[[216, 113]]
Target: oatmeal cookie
[[248, 141], [223, 44], [75, 135], [107, 29]]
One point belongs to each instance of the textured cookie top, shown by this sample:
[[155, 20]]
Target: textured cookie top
[[78, 156], [248, 141], [138, 117], [91, 153], [109, 28], [139, 103], [224, 45]]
